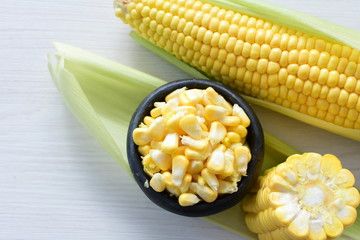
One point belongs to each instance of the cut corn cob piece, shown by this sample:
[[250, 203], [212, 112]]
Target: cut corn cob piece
[[292, 70], [304, 197]]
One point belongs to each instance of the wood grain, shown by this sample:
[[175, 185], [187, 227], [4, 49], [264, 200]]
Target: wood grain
[[55, 181]]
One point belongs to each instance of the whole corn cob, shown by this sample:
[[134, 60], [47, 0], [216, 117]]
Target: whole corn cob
[[307, 197], [311, 75]]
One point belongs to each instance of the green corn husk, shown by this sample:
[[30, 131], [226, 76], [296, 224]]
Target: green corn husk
[[103, 96], [284, 17]]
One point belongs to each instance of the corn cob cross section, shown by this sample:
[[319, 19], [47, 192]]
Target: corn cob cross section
[[307, 197], [296, 70]]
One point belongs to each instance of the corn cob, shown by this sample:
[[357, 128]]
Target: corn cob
[[299, 71], [308, 197]]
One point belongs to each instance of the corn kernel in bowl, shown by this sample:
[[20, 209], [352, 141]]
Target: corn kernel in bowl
[[193, 145], [187, 137]]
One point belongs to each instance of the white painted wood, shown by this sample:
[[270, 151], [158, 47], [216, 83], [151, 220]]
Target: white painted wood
[[55, 180]]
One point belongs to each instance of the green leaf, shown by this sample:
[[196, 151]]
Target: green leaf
[[103, 95]]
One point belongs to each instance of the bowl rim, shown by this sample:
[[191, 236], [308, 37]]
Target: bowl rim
[[255, 139]]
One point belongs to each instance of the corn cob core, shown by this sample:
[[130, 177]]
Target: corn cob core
[[307, 197], [267, 61]]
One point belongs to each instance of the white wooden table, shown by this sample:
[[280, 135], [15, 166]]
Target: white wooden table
[[55, 180]]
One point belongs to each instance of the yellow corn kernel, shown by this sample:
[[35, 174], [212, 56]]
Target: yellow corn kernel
[[194, 185], [215, 99], [162, 160], [179, 151], [157, 182], [351, 196], [184, 109], [284, 41], [157, 128], [251, 64], [210, 179], [148, 120], [350, 84], [293, 56], [333, 78], [333, 227], [169, 106], [173, 190], [200, 180], [206, 194], [185, 185], [343, 62], [195, 166], [155, 144], [347, 215], [226, 187], [229, 164], [144, 149], [316, 230], [233, 137], [273, 67], [170, 143], [217, 133], [200, 145], [194, 154], [179, 166], [343, 97], [344, 179], [146, 160], [234, 145], [226, 142], [172, 122], [333, 95], [350, 69], [262, 66], [241, 130], [303, 57], [214, 113], [230, 121], [287, 173], [299, 227], [255, 51], [233, 30], [150, 167], [284, 58], [239, 112], [191, 126], [141, 136], [216, 162], [188, 199], [275, 54], [242, 157], [303, 71]]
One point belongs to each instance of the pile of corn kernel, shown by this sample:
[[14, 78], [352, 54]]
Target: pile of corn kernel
[[193, 145]]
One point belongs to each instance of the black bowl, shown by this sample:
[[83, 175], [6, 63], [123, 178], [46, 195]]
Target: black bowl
[[255, 140]]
